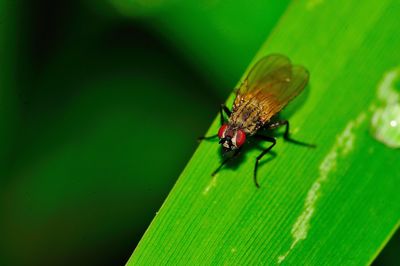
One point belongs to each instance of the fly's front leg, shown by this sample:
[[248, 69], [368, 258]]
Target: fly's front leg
[[286, 136], [269, 139], [224, 162], [222, 109], [207, 138]]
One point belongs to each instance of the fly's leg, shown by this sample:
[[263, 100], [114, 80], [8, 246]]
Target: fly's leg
[[286, 136], [222, 109], [224, 162], [207, 138], [269, 139]]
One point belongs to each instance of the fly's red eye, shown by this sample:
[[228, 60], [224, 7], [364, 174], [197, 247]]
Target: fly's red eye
[[221, 130], [240, 138]]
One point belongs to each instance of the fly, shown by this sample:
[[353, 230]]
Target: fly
[[270, 85]]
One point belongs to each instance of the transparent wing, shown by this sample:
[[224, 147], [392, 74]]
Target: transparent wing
[[265, 67], [274, 81]]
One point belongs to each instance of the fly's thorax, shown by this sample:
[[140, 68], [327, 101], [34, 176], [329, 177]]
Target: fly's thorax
[[247, 117]]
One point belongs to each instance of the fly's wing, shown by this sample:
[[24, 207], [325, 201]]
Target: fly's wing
[[271, 84], [266, 66]]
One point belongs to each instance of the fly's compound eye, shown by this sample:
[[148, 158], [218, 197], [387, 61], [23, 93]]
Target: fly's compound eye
[[240, 138], [221, 131]]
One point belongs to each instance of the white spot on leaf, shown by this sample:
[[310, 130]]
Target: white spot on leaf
[[343, 145]]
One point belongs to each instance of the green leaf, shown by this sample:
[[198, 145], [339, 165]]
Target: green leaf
[[333, 205]]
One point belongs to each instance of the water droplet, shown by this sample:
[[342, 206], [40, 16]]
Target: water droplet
[[386, 125], [385, 120]]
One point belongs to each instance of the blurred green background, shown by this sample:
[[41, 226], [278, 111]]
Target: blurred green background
[[101, 103]]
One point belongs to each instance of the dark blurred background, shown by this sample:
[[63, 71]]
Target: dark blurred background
[[101, 103]]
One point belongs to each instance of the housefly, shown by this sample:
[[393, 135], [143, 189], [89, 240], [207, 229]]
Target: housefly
[[270, 85]]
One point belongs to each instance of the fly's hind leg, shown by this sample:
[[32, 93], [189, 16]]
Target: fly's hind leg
[[269, 139], [222, 109], [286, 135]]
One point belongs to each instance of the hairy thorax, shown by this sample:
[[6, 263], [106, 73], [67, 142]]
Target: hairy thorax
[[250, 113], [246, 116]]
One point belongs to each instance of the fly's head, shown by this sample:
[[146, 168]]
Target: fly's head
[[231, 139]]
